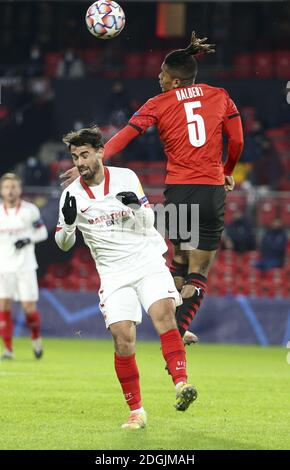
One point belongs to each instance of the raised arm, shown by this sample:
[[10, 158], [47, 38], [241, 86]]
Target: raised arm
[[120, 141]]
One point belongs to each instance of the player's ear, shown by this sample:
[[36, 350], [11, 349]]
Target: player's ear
[[176, 83], [100, 152]]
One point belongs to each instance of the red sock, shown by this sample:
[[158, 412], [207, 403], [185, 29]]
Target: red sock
[[174, 355], [6, 329], [33, 323], [128, 375], [186, 312]]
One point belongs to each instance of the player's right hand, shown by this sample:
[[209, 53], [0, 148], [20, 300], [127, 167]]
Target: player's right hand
[[69, 176], [69, 209], [229, 183]]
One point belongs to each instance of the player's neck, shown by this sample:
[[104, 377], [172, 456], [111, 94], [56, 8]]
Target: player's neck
[[12, 204], [97, 179]]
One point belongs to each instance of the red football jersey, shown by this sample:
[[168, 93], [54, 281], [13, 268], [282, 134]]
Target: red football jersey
[[190, 122]]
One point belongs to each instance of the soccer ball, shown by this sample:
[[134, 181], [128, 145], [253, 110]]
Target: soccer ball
[[105, 19]]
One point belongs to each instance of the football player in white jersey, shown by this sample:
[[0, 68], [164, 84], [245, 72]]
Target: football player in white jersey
[[108, 205], [20, 228]]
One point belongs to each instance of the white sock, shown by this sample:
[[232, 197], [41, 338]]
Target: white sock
[[140, 410], [179, 385]]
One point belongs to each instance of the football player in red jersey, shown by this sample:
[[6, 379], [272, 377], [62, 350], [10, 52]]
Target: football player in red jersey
[[191, 120]]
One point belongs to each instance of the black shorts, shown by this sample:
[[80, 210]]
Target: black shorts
[[211, 201]]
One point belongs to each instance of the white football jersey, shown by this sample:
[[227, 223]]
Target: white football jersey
[[120, 240], [16, 224]]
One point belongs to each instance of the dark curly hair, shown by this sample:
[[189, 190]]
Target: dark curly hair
[[91, 135]]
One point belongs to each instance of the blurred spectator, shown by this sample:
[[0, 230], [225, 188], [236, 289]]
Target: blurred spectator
[[273, 247], [239, 234], [51, 151], [112, 57], [252, 149], [35, 173], [70, 66], [35, 67], [118, 100], [268, 170], [152, 145], [116, 121]]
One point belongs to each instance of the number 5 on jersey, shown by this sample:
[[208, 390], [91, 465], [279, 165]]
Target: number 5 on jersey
[[196, 128]]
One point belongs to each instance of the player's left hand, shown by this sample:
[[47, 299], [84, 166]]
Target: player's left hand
[[229, 183], [128, 198], [69, 176], [21, 243]]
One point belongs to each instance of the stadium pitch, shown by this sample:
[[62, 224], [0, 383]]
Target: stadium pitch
[[72, 400]]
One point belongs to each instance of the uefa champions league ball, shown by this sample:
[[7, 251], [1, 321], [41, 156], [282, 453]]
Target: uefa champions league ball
[[105, 19]]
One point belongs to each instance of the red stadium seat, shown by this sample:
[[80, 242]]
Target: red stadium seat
[[83, 254], [263, 64], [156, 179], [285, 211], [152, 63], [286, 290], [268, 289], [136, 165], [242, 285], [234, 202], [93, 283], [59, 270], [284, 185], [282, 64], [72, 283], [93, 59], [47, 281], [254, 275], [4, 112], [276, 276], [215, 285], [280, 139], [249, 258], [243, 66], [267, 210], [52, 60], [159, 165], [277, 132], [155, 198], [133, 65], [249, 117]]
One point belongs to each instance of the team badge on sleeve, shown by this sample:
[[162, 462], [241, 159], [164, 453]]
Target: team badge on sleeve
[[37, 223], [143, 200]]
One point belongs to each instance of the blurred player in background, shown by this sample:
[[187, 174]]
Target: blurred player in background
[[108, 205], [191, 120], [20, 228]]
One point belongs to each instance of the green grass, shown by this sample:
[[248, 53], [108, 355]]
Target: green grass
[[71, 399]]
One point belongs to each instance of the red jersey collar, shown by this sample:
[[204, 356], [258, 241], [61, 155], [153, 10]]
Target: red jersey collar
[[106, 185], [17, 207]]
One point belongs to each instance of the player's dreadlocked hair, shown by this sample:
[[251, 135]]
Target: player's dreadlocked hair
[[91, 135], [182, 64]]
